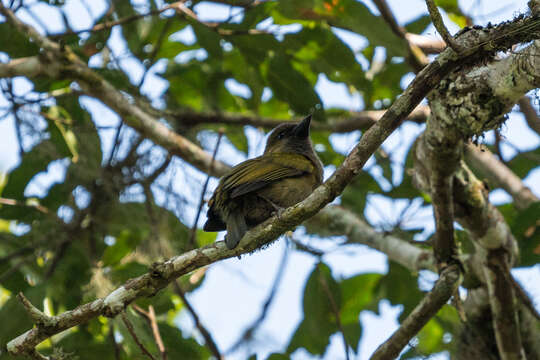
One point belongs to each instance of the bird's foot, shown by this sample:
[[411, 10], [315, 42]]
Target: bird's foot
[[278, 210]]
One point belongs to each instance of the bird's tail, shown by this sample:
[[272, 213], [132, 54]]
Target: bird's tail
[[236, 228]]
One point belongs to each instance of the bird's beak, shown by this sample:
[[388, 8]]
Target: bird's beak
[[302, 129]]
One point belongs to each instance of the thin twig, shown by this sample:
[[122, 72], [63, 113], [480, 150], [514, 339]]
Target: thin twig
[[209, 341], [109, 24], [13, 202], [129, 327], [155, 332], [437, 20], [193, 235], [150, 315], [116, 142]]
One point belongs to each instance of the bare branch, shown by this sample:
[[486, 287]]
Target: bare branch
[[155, 332], [39, 318], [445, 286]]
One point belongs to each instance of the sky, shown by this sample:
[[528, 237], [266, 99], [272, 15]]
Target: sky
[[234, 290]]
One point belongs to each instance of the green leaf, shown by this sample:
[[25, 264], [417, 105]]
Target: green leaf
[[523, 163], [60, 123], [255, 48], [319, 315], [125, 243], [237, 137], [526, 228], [400, 287], [291, 86], [355, 195], [142, 331], [451, 7], [124, 272], [348, 14], [179, 347], [86, 345], [326, 53], [16, 319], [72, 273], [32, 163], [15, 43], [208, 39], [357, 294], [418, 25]]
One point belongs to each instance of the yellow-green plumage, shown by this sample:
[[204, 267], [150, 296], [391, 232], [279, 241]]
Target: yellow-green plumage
[[287, 172]]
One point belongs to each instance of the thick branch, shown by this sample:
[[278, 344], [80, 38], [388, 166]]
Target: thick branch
[[337, 221], [445, 286]]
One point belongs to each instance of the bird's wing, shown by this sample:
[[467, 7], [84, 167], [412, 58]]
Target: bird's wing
[[256, 173]]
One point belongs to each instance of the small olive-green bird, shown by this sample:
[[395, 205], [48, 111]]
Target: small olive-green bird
[[287, 172]]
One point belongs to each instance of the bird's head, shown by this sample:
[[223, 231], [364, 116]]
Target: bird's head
[[287, 138]]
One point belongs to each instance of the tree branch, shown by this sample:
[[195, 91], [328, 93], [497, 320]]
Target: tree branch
[[338, 221], [445, 286]]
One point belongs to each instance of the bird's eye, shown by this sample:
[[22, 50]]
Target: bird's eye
[[281, 135]]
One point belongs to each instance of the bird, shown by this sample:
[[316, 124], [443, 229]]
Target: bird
[[254, 190]]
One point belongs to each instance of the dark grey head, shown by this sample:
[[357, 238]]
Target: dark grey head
[[292, 137]]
